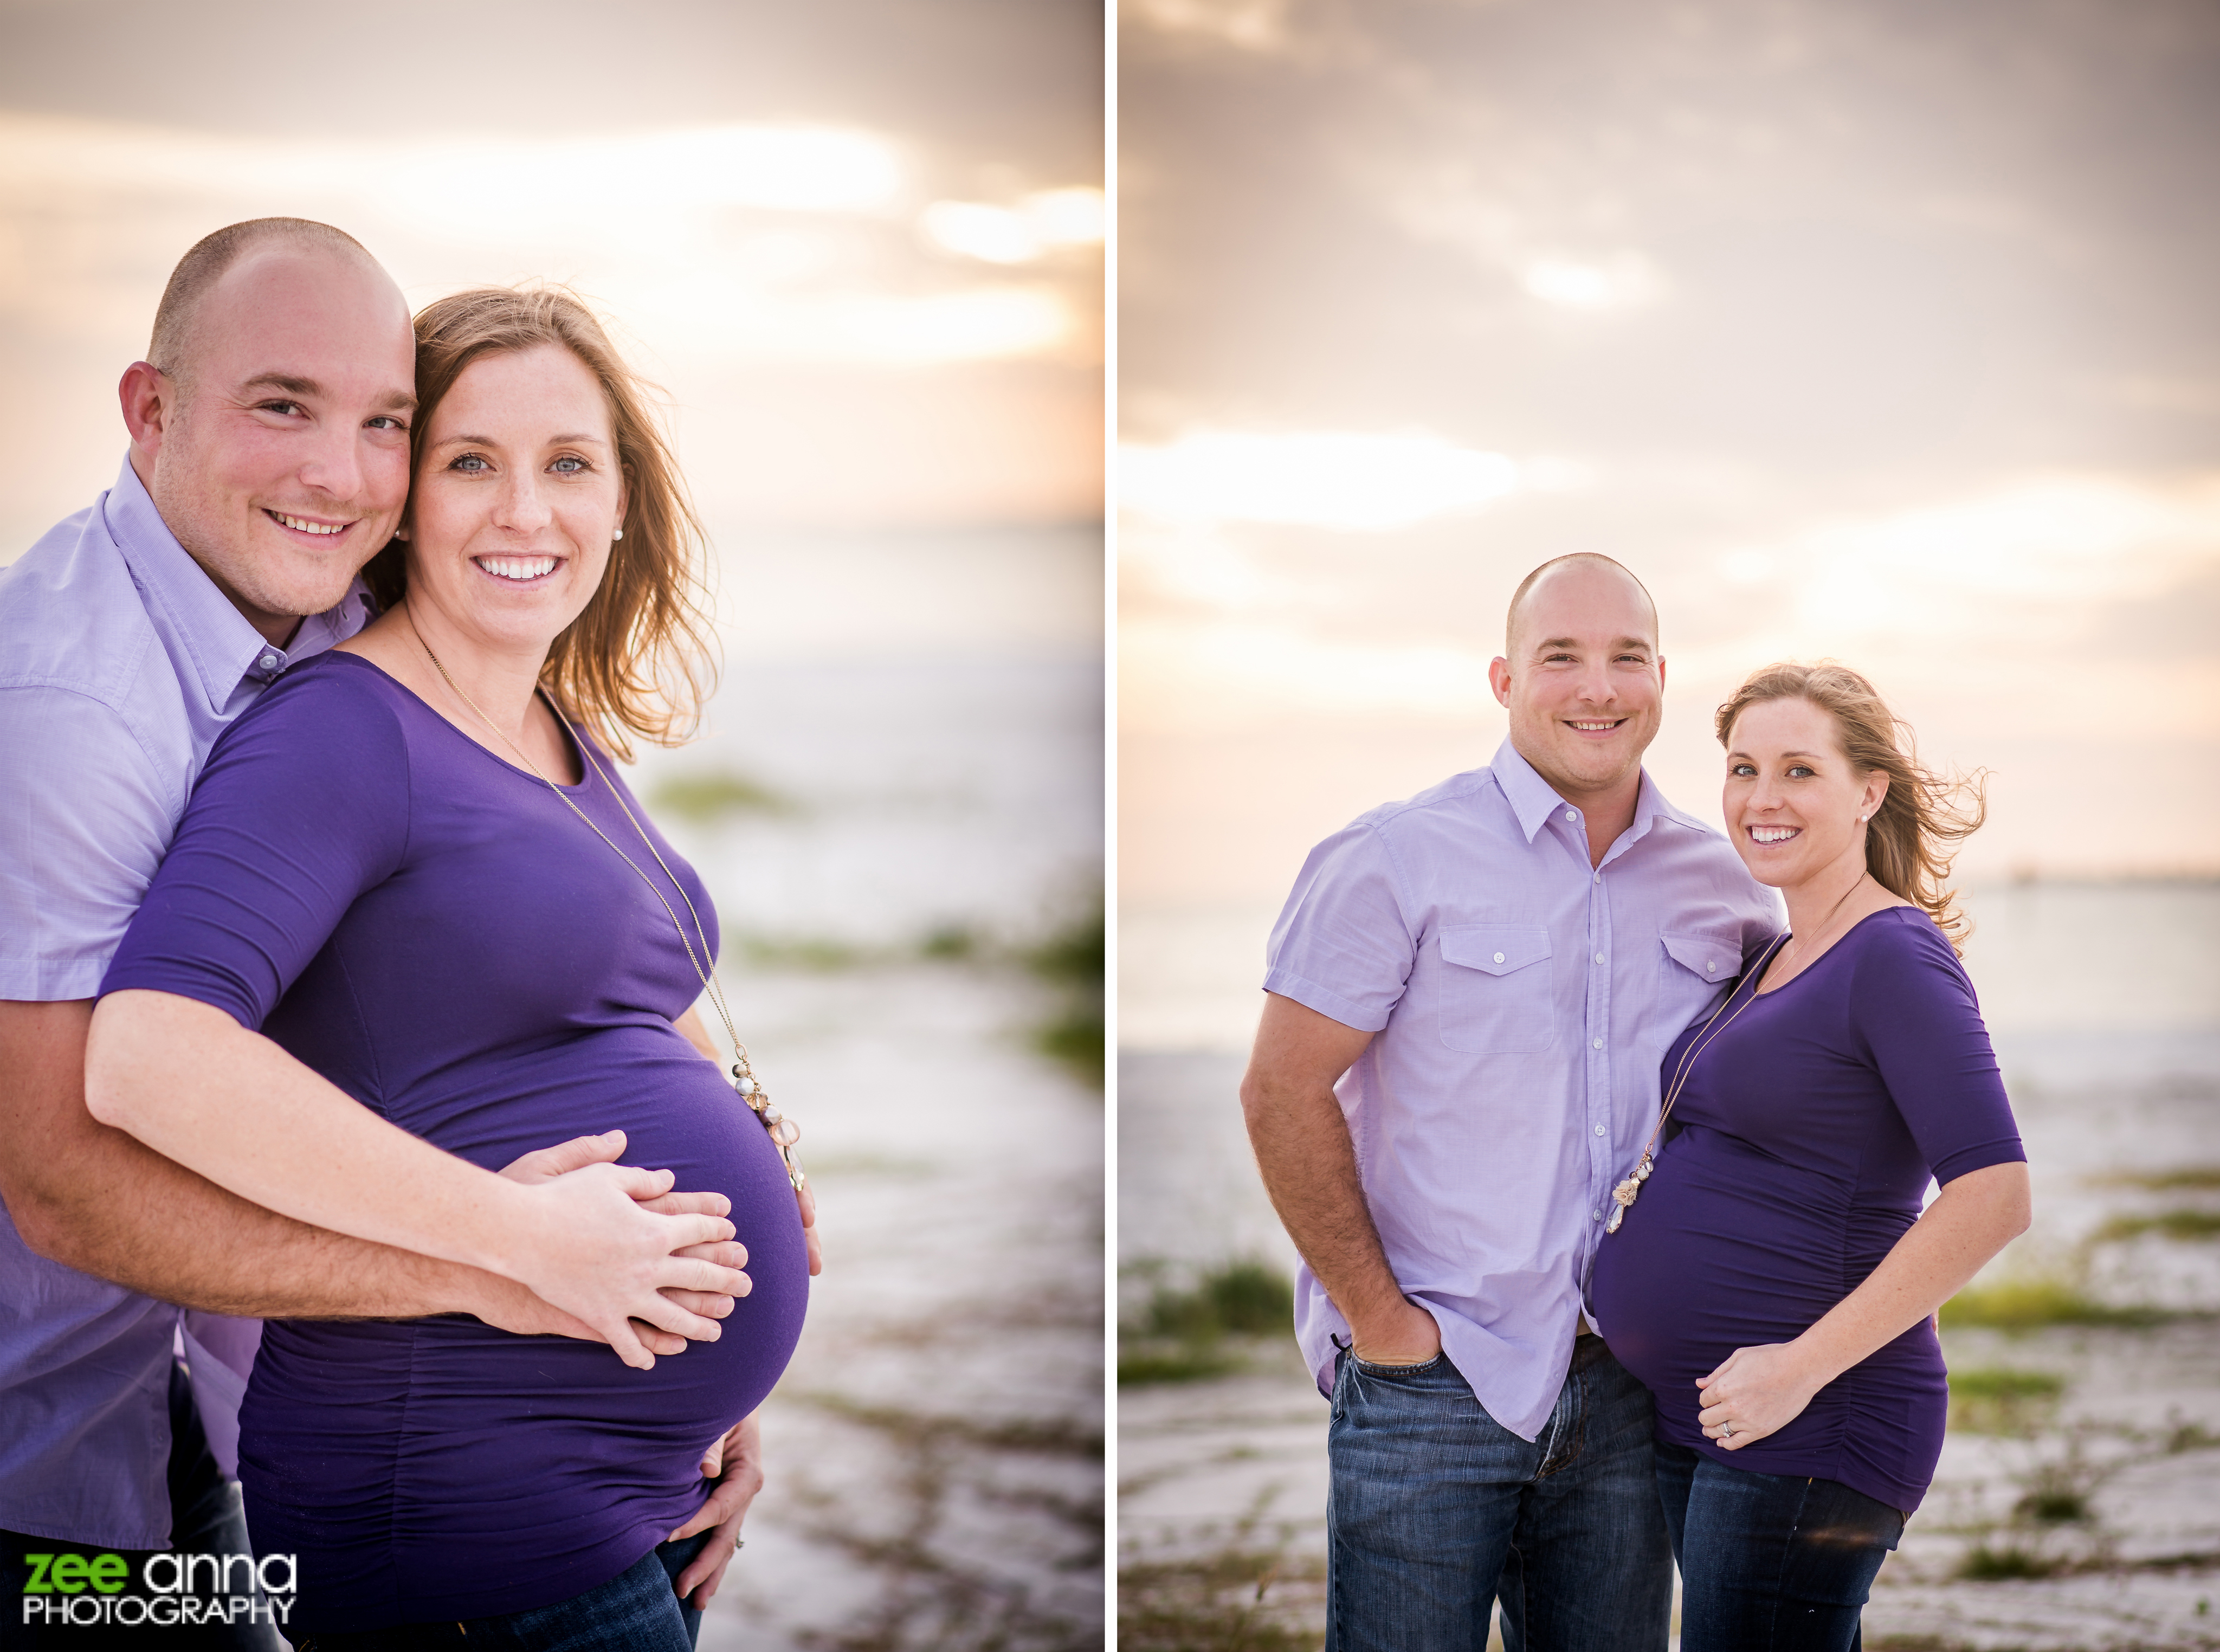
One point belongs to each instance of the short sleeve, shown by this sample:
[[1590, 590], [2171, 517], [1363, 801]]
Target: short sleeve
[[1342, 946], [84, 816], [1913, 1007], [303, 806]]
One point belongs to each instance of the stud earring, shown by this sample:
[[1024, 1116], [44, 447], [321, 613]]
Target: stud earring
[[619, 534]]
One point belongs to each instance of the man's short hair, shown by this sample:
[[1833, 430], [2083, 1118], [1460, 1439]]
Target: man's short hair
[[1595, 558], [203, 266]]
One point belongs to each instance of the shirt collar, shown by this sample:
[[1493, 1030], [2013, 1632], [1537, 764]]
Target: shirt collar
[[1533, 800], [224, 649]]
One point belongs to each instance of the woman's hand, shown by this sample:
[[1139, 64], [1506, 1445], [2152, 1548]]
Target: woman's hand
[[1757, 1392], [588, 1247], [735, 1461]]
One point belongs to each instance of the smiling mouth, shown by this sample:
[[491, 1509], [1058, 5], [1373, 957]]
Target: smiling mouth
[[307, 525], [1774, 833], [1593, 724], [518, 571]]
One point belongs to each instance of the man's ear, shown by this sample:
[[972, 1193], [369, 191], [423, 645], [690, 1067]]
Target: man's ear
[[1499, 678], [149, 399]]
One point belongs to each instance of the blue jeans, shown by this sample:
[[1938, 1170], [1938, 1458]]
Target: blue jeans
[[1436, 1511], [1770, 1563], [205, 1519], [637, 1612]]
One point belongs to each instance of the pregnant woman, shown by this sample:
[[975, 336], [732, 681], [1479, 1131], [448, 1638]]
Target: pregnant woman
[[411, 891], [1774, 1281]]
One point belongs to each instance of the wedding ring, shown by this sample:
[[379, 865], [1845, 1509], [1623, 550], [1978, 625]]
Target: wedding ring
[[1726, 1431]]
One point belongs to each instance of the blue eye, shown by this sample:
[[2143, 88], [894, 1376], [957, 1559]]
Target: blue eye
[[572, 460], [470, 463]]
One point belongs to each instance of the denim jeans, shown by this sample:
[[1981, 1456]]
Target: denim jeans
[[1770, 1563], [1436, 1509], [205, 1519], [638, 1610]]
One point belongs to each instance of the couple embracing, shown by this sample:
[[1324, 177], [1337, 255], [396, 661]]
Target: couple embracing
[[341, 971], [1607, 1182]]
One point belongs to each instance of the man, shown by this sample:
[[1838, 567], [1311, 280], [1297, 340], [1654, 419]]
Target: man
[[1468, 997], [269, 459]]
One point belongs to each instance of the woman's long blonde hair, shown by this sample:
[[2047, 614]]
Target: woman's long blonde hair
[[1925, 817], [638, 659]]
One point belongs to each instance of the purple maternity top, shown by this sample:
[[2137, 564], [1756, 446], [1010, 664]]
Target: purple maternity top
[[436, 933], [1811, 1124]]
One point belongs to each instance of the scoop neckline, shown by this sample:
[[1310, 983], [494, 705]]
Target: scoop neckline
[[577, 742], [1759, 990]]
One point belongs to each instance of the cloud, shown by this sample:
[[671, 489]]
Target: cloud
[[1039, 224], [1260, 26], [769, 243], [1346, 480]]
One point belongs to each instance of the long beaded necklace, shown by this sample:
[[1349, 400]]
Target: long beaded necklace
[[782, 1130]]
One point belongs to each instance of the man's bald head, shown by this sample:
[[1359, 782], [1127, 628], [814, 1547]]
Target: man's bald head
[[205, 265], [1586, 560]]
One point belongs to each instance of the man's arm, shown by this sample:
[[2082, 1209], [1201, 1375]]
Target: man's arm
[[1302, 1146], [101, 1201]]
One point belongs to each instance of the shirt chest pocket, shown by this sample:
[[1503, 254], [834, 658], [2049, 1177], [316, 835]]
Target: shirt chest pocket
[[1495, 997], [1693, 964]]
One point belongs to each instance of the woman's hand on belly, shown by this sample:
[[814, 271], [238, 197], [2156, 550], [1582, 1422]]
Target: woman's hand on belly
[[1756, 1392]]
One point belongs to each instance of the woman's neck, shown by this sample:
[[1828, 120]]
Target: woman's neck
[[497, 682], [1814, 901]]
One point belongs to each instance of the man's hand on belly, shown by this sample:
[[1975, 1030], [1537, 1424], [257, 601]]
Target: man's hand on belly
[[509, 1306], [735, 1463]]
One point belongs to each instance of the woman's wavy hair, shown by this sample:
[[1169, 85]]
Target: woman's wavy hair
[[639, 660], [1924, 820]]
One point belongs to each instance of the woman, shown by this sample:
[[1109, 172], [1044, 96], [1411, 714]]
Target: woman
[[407, 890], [1774, 1281]]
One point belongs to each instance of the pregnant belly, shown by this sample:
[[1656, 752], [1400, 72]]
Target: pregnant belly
[[1724, 1250], [435, 1433]]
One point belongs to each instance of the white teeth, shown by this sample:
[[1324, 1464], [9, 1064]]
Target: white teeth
[[517, 567], [1772, 835], [1596, 728], [300, 525]]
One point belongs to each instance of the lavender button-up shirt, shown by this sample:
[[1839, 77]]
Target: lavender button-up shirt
[[1523, 1002], [120, 665]]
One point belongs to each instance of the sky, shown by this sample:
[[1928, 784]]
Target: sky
[[859, 242], [1861, 330]]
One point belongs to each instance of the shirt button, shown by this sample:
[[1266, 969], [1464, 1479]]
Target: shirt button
[[1598, 877], [1599, 1043], [1571, 815], [1595, 1216], [1499, 957], [1711, 966], [1599, 957], [1598, 1130], [268, 662]]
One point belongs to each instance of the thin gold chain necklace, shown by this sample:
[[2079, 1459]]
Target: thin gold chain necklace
[[782, 1130]]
